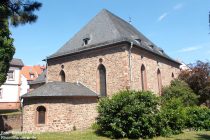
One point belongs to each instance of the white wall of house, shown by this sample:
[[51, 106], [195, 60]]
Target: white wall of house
[[24, 87], [10, 90]]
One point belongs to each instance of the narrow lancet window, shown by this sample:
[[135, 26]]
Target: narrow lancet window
[[102, 80]]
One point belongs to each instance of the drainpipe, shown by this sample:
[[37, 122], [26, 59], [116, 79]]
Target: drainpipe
[[46, 78], [21, 127], [130, 65]]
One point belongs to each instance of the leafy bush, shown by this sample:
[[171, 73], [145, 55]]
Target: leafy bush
[[171, 118], [198, 118], [128, 114], [136, 114], [179, 90]]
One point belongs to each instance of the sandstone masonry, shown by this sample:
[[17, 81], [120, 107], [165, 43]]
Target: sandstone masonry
[[62, 114]]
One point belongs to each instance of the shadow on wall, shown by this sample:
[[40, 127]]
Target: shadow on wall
[[3, 125]]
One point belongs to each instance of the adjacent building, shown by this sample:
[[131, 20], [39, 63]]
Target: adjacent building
[[10, 91], [32, 72]]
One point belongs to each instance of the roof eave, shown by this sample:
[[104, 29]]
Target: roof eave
[[117, 42], [72, 96]]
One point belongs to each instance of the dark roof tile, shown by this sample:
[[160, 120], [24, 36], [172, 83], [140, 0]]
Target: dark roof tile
[[104, 29], [16, 62], [57, 89], [40, 79]]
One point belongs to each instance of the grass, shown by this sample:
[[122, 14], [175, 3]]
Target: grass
[[90, 135], [190, 135]]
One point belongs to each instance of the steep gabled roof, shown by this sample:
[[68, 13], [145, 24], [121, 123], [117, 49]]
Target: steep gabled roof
[[104, 29], [61, 89]]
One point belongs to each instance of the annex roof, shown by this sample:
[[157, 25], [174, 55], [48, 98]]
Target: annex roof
[[104, 29], [61, 89]]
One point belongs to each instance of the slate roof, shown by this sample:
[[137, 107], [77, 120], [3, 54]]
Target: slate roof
[[40, 79], [105, 29], [16, 62], [61, 89]]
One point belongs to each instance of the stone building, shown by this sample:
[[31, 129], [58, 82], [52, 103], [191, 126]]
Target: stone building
[[107, 55]]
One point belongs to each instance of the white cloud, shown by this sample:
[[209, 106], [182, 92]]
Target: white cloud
[[178, 6], [190, 49], [164, 15], [175, 8]]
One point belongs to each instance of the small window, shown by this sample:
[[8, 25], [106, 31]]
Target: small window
[[143, 78], [172, 75], [62, 76], [151, 46], [10, 75], [159, 81], [142, 56], [138, 41], [161, 51], [86, 41], [1, 92], [32, 76], [41, 114], [102, 80]]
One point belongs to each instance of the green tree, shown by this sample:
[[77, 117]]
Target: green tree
[[198, 78], [15, 12], [179, 90]]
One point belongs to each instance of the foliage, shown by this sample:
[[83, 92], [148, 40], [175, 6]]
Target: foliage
[[171, 118], [6, 49], [179, 90], [198, 118], [19, 11], [136, 114], [128, 114], [15, 12], [198, 78]]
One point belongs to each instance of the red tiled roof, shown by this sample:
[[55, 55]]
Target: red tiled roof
[[36, 70]]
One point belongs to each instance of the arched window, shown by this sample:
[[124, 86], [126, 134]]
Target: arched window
[[172, 75], [159, 81], [102, 79], [41, 113], [62, 76], [143, 78]]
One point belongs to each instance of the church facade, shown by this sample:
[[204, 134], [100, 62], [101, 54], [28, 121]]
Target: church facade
[[105, 56]]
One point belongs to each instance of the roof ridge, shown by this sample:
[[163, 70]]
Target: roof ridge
[[109, 14]]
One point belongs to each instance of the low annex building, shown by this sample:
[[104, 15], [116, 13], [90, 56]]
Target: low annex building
[[107, 55]]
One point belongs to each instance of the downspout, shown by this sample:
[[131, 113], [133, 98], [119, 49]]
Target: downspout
[[21, 127], [46, 80], [130, 65]]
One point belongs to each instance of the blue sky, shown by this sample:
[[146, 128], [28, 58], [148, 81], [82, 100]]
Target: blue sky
[[180, 27]]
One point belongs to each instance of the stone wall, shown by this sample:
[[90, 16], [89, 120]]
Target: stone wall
[[10, 122], [62, 113], [152, 63], [84, 68]]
